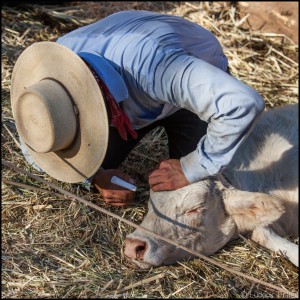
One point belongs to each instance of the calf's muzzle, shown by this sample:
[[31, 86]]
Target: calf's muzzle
[[135, 248]]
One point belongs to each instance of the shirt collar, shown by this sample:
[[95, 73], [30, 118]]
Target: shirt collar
[[108, 74]]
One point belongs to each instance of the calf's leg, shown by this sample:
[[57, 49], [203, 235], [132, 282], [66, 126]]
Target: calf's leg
[[267, 238]]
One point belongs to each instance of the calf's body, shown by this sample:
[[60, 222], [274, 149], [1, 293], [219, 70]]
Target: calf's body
[[257, 194]]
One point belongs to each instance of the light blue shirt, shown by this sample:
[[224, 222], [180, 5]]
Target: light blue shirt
[[155, 64]]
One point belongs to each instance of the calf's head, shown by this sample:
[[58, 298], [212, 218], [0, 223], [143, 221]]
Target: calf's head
[[203, 217]]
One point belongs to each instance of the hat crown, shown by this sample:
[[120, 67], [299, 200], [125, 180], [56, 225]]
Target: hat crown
[[45, 116]]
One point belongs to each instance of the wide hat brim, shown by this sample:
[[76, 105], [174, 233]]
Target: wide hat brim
[[86, 153]]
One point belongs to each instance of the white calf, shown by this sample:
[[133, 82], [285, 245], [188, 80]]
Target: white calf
[[258, 193]]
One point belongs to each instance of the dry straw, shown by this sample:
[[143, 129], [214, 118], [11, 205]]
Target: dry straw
[[55, 248], [132, 224]]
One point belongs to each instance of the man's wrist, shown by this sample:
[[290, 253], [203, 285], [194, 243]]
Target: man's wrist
[[192, 169], [89, 183]]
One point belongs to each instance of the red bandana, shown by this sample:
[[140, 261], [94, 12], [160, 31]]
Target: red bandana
[[118, 118]]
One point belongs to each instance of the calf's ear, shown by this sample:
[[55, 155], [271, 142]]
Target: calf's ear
[[251, 210]]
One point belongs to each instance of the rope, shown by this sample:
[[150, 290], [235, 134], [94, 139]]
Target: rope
[[105, 211]]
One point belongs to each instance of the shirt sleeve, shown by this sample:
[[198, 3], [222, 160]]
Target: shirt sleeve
[[230, 108]]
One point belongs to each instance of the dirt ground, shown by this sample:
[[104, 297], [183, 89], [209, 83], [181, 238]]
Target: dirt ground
[[274, 17]]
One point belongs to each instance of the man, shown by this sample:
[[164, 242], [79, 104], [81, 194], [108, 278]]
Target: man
[[82, 103]]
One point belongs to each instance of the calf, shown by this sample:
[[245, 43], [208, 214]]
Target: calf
[[257, 194]]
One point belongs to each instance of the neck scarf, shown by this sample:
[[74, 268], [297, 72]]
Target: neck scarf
[[118, 118]]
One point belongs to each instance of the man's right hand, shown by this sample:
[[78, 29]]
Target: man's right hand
[[113, 194]]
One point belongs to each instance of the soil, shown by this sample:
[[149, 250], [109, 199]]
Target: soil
[[272, 17]]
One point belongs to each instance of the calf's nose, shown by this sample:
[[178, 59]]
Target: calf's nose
[[135, 248]]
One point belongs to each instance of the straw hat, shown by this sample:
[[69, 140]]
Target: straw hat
[[59, 111]]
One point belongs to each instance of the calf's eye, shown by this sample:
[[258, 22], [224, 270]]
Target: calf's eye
[[194, 211]]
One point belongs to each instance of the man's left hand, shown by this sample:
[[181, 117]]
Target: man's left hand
[[167, 176]]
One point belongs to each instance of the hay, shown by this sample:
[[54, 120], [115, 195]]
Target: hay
[[57, 248]]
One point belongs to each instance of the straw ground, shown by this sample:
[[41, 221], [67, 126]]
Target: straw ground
[[58, 248]]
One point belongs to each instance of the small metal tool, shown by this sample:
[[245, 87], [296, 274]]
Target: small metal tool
[[118, 181]]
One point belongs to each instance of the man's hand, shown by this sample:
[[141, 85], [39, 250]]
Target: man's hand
[[167, 176], [113, 194]]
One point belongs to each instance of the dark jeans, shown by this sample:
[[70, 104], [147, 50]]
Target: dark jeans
[[184, 130]]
